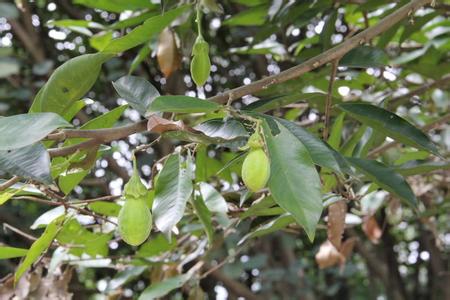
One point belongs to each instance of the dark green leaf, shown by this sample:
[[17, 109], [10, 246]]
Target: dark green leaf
[[205, 217], [365, 57], [144, 32], [386, 178], [250, 17], [116, 6], [182, 104], [229, 129], [321, 154], [23, 130], [31, 162], [172, 190], [417, 167], [137, 91], [269, 227], [390, 124], [270, 103], [294, 182], [212, 198], [164, 287]]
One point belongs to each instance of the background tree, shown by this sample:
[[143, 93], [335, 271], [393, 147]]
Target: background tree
[[343, 105]]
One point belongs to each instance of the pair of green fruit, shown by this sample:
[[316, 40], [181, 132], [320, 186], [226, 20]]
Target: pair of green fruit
[[135, 219]]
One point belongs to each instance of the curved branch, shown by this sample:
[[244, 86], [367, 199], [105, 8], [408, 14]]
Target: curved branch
[[324, 58]]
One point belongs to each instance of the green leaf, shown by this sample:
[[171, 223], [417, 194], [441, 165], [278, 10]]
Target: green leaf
[[23, 130], [156, 246], [251, 17], [334, 140], [83, 240], [31, 162], [125, 276], [182, 104], [230, 129], [164, 287], [137, 91], [321, 154], [143, 53], [100, 40], [116, 6], [38, 248], [328, 29], [263, 207], [386, 178], [69, 83], [205, 217], [274, 102], [212, 198], [365, 57], [269, 227], [12, 252], [294, 182], [390, 124], [6, 195], [8, 11], [144, 32], [106, 208], [417, 167], [172, 190]]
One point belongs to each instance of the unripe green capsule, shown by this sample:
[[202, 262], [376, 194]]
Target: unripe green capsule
[[256, 169], [200, 64], [135, 218], [135, 221]]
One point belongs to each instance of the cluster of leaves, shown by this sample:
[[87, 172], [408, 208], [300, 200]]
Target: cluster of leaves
[[197, 198]]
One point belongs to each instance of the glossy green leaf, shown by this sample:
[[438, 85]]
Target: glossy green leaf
[[137, 91], [228, 129], [23, 130], [386, 178], [365, 57], [390, 124], [144, 32], [205, 217], [212, 198], [182, 104], [69, 83], [100, 40], [321, 154], [164, 287], [38, 248], [173, 188], [294, 182], [31, 162], [12, 252], [417, 167], [269, 227]]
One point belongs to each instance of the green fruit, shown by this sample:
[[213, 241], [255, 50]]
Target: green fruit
[[255, 141], [200, 64], [135, 218], [256, 169], [135, 221]]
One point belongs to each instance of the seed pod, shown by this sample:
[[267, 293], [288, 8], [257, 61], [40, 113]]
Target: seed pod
[[256, 169], [200, 64], [135, 218], [168, 55]]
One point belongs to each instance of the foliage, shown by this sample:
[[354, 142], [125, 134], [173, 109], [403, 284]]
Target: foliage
[[272, 144]]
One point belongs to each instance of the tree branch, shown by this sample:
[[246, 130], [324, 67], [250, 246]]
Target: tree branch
[[325, 57], [7, 184]]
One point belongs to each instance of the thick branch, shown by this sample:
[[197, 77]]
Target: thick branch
[[324, 58], [97, 137]]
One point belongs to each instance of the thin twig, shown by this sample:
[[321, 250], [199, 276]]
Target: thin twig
[[9, 183], [334, 65], [19, 232]]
